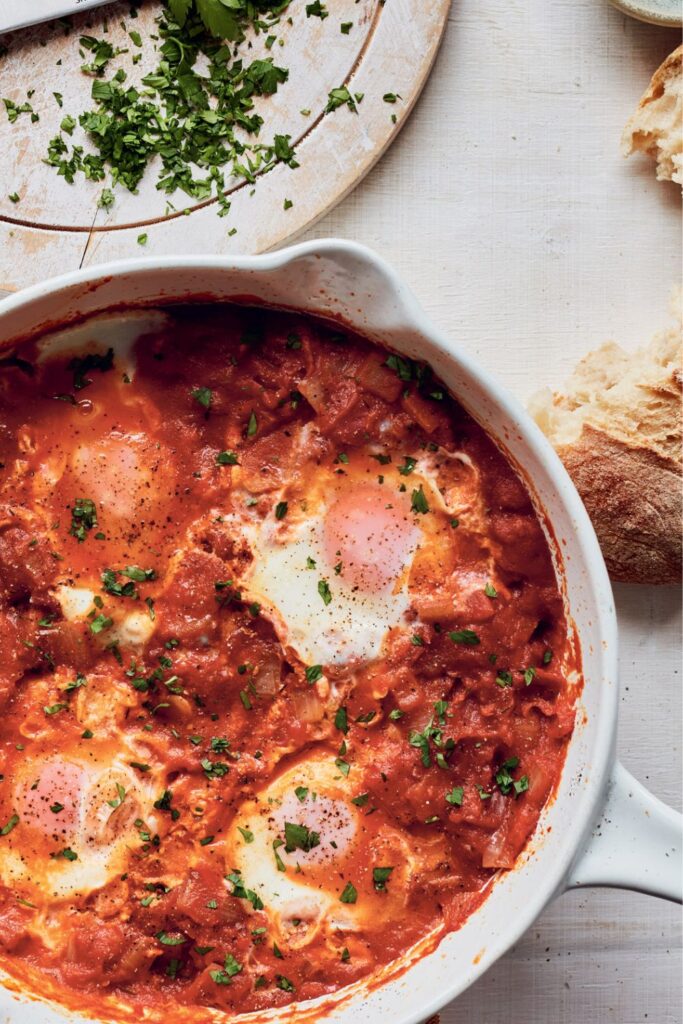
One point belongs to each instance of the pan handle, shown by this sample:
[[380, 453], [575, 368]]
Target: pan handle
[[635, 844]]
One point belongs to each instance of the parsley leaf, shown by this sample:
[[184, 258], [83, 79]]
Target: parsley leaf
[[350, 893], [299, 837]]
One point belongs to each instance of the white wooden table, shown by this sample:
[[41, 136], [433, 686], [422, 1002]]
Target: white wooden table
[[506, 205]]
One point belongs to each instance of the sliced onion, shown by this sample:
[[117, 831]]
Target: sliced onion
[[267, 678], [307, 706], [495, 854]]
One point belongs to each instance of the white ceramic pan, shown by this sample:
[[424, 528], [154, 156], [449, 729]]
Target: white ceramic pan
[[602, 828]]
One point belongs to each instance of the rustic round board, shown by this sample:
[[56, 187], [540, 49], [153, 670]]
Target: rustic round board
[[56, 226]]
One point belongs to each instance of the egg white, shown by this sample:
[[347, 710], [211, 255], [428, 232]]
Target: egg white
[[130, 628], [119, 331], [101, 838], [304, 900]]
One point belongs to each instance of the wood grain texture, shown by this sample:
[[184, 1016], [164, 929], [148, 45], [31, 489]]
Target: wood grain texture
[[507, 207], [389, 49]]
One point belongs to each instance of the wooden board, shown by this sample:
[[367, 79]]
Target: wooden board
[[57, 226]]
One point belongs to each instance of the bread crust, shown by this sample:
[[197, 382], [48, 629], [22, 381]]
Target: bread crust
[[669, 68], [635, 499]]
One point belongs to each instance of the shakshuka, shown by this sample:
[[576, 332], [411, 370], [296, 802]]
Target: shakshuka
[[285, 673]]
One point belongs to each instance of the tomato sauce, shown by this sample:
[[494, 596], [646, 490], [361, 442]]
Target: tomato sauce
[[285, 673]]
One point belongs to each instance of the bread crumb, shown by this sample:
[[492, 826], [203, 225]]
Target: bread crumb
[[656, 127]]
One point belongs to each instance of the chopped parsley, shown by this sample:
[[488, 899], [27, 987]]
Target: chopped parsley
[[505, 781], [12, 823], [240, 893], [170, 940], [350, 894], [83, 518], [195, 109], [279, 863], [380, 877], [408, 466], [324, 591], [418, 501], [314, 673], [226, 459], [230, 968], [464, 636], [341, 720], [299, 837], [204, 396], [100, 623], [455, 797], [340, 97]]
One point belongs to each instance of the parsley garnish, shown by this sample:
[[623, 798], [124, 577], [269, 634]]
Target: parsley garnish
[[299, 837], [230, 968], [83, 518], [12, 823], [170, 940], [464, 636], [380, 877], [341, 720], [239, 891], [226, 459], [313, 673], [418, 501], [350, 894], [204, 396]]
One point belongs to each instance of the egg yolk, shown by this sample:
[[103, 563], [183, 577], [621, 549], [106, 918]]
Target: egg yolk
[[51, 803], [368, 530]]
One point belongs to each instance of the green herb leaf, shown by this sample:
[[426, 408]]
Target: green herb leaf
[[226, 459], [299, 837], [380, 877], [418, 501], [204, 396], [464, 636], [341, 720], [12, 823], [313, 673], [350, 894]]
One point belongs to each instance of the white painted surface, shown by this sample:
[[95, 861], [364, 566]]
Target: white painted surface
[[506, 205]]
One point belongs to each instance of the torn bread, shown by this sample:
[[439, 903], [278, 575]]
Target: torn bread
[[656, 127], [617, 426]]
